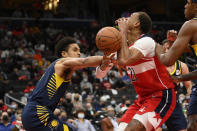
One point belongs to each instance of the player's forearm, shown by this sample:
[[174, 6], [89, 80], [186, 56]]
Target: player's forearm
[[190, 76], [77, 63], [92, 61], [164, 59], [124, 51]]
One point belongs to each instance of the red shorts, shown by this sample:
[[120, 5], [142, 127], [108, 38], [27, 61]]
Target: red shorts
[[153, 110]]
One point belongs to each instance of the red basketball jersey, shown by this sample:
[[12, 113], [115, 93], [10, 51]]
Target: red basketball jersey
[[148, 74]]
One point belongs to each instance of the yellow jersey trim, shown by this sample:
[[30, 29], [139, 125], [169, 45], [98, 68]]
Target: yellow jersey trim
[[195, 48], [65, 127], [175, 65]]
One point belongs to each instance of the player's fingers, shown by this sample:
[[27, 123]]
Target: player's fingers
[[112, 56], [114, 61], [104, 57]]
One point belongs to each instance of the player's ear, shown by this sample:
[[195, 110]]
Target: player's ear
[[64, 54], [137, 24]]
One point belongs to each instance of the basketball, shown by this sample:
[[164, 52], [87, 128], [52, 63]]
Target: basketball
[[108, 40]]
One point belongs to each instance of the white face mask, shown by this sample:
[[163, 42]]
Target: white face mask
[[81, 115]]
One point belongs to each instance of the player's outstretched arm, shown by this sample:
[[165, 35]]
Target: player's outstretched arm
[[77, 63], [179, 46], [190, 76]]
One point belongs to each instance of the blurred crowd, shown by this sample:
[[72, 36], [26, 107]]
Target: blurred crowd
[[89, 103]]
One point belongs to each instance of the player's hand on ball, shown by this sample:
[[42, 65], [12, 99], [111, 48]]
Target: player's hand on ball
[[172, 35], [122, 24], [108, 61]]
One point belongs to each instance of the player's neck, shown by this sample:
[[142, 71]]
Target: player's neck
[[133, 36]]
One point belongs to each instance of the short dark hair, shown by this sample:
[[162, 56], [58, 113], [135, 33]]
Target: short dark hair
[[145, 22], [80, 110], [165, 41], [63, 45]]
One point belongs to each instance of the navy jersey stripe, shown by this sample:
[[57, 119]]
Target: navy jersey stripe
[[169, 102], [162, 103]]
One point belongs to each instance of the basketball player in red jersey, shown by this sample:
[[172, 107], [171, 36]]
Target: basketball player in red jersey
[[156, 96], [187, 37]]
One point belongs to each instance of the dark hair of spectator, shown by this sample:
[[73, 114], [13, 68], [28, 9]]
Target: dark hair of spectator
[[63, 45], [80, 111], [145, 22]]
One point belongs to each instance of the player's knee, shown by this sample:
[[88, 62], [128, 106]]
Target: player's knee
[[135, 125], [192, 125], [122, 126]]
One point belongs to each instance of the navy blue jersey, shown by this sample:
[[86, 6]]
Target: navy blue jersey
[[49, 89], [38, 113]]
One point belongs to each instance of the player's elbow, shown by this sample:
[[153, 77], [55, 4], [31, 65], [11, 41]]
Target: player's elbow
[[122, 62], [168, 63]]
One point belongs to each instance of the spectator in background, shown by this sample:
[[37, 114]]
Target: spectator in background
[[110, 123], [83, 124], [3, 107], [57, 112], [11, 114], [77, 101], [23, 73], [89, 112], [29, 88], [63, 116], [67, 104], [5, 124]]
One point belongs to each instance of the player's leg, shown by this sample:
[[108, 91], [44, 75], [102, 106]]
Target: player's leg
[[155, 110], [192, 123], [177, 121], [127, 117], [159, 129], [192, 111], [135, 125]]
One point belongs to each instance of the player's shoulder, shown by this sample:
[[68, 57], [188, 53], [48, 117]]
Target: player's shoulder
[[190, 24], [61, 60], [146, 39]]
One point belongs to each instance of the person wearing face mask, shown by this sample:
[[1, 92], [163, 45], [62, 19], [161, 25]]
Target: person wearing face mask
[[83, 124], [5, 124], [90, 112], [110, 123]]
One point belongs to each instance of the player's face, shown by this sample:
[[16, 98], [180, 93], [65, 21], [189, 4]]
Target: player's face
[[73, 51], [189, 10], [167, 46], [133, 20]]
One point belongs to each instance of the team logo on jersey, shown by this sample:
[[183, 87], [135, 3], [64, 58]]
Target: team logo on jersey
[[178, 72], [132, 74], [142, 109], [53, 124], [154, 118]]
